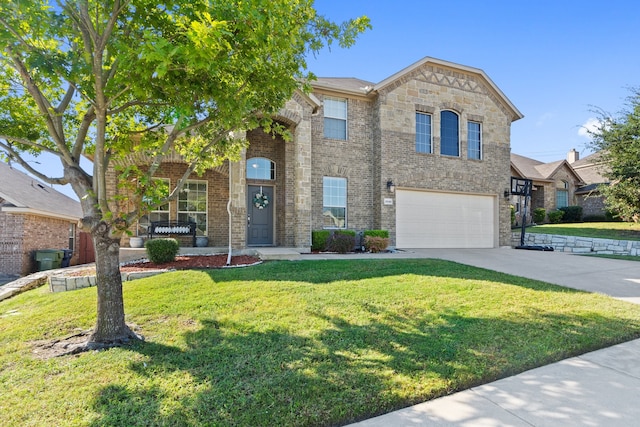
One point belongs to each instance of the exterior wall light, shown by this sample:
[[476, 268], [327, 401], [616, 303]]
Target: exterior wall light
[[391, 186]]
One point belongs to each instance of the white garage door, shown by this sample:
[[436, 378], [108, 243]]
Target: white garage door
[[444, 220]]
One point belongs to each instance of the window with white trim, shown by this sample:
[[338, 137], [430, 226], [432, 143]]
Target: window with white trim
[[159, 213], [335, 118], [423, 132], [192, 204], [474, 140], [334, 202], [449, 134]]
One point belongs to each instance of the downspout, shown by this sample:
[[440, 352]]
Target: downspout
[[229, 212]]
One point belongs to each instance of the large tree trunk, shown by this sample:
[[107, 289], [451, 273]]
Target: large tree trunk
[[111, 329]]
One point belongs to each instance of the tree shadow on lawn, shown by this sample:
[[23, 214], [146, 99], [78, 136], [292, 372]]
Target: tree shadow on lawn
[[341, 374]]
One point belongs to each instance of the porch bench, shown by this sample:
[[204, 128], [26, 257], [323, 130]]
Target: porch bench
[[168, 228]]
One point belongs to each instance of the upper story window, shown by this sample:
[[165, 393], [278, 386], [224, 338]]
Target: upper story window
[[335, 118], [474, 140], [334, 202], [449, 134], [562, 195], [423, 132], [261, 168]]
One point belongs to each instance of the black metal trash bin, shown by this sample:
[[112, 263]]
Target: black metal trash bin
[[66, 258]]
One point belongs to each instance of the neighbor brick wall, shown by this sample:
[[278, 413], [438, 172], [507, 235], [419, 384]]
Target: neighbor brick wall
[[22, 234]]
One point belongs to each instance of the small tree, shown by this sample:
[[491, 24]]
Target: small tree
[[109, 78], [618, 140]]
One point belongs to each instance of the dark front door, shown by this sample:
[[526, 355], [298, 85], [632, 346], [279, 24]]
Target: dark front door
[[260, 215]]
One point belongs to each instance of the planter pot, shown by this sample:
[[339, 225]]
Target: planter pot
[[202, 241], [136, 242]]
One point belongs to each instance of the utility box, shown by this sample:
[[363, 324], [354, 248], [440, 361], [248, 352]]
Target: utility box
[[47, 259]]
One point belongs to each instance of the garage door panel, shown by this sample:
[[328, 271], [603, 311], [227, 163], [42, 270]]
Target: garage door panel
[[444, 220]]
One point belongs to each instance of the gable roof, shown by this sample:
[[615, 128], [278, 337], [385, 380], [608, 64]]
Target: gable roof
[[23, 194], [537, 170], [359, 87], [515, 113]]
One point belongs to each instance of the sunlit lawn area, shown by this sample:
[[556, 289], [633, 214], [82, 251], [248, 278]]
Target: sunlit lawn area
[[303, 343], [602, 230]]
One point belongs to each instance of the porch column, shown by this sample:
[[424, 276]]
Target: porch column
[[302, 184], [238, 197]]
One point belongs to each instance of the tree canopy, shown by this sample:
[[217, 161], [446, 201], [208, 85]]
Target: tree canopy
[[618, 140], [105, 78]]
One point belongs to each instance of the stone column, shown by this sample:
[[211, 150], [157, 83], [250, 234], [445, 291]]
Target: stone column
[[302, 186], [238, 197]]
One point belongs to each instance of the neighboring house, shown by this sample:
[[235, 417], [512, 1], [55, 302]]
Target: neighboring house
[[33, 216], [554, 184], [590, 170], [423, 154]]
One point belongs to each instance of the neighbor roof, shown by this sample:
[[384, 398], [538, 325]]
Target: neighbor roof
[[24, 194], [590, 169], [537, 170]]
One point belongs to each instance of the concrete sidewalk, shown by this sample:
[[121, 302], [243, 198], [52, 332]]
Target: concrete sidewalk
[[601, 388]]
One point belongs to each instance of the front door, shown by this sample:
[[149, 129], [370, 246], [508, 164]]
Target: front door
[[259, 215]]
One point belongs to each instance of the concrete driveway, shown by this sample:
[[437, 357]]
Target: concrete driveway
[[617, 278]]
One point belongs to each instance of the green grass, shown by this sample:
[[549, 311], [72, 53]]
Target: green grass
[[601, 230], [294, 343]]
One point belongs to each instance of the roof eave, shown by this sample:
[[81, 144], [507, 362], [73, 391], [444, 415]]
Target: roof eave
[[37, 212]]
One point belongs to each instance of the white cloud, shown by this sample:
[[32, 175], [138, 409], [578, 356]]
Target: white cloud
[[591, 125]]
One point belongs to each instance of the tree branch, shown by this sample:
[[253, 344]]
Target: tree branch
[[14, 155]]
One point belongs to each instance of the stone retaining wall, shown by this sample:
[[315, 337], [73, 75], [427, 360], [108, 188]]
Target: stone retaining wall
[[65, 283], [580, 245]]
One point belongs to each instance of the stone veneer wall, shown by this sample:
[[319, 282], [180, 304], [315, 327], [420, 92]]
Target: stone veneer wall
[[580, 245], [432, 89]]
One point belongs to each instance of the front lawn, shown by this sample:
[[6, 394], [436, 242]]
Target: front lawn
[[303, 343], [601, 230]]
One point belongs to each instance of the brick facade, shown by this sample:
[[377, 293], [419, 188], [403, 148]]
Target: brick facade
[[23, 234], [380, 147]]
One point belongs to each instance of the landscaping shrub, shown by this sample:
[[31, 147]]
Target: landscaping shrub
[[513, 215], [572, 213], [538, 215], [342, 241], [377, 233], [319, 239], [160, 251], [555, 217], [375, 244]]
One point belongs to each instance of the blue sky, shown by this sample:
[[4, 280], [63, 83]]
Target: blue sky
[[555, 60]]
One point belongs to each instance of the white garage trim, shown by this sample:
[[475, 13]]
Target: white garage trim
[[430, 219]]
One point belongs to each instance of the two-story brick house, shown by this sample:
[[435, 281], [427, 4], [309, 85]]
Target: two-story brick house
[[423, 154]]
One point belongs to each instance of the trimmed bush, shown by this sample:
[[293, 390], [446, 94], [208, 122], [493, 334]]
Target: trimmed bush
[[377, 233], [160, 251], [572, 213], [538, 215], [513, 215], [376, 244], [342, 241], [555, 217], [595, 218], [319, 239]]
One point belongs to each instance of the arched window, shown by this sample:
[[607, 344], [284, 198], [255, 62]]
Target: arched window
[[449, 134], [261, 168]]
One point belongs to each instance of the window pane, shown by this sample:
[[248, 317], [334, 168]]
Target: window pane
[[334, 209], [192, 204], [423, 133], [449, 145], [474, 140], [562, 199], [335, 128], [261, 168], [335, 118]]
